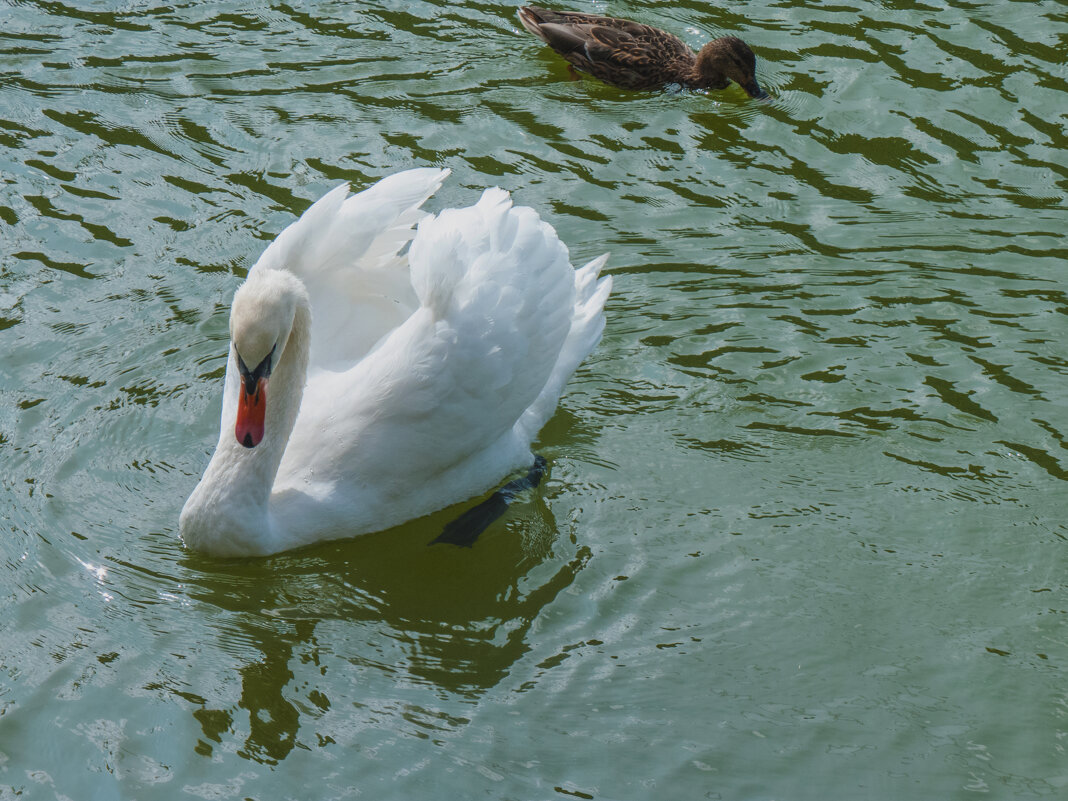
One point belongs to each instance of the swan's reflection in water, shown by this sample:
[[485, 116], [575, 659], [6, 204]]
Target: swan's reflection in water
[[383, 618]]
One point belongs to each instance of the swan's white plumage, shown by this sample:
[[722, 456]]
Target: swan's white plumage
[[345, 251], [428, 373]]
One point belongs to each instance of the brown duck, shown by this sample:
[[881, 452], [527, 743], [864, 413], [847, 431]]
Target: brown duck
[[636, 56]]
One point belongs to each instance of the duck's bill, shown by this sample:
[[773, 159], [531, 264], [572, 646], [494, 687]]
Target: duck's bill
[[251, 412], [752, 88]]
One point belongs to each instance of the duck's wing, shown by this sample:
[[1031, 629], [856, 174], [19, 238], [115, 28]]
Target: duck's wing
[[492, 338], [346, 250], [617, 51], [532, 17]]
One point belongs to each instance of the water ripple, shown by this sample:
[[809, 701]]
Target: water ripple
[[806, 503]]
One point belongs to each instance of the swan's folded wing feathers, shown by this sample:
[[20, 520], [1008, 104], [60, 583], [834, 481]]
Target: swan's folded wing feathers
[[346, 250], [457, 393], [497, 281], [347, 234], [286, 250], [390, 210]]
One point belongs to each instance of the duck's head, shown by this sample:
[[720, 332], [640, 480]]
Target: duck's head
[[728, 59], [261, 320]]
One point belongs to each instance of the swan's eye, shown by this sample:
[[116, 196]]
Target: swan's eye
[[252, 377]]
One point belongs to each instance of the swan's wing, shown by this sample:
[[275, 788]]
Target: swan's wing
[[345, 250], [500, 288], [503, 321]]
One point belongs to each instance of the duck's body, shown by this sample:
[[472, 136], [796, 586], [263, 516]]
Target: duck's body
[[392, 385], [635, 56]]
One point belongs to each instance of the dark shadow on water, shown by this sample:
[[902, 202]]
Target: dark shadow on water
[[464, 530], [452, 619]]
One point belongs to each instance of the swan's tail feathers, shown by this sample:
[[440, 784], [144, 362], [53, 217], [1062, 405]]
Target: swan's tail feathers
[[465, 529], [588, 322], [587, 325]]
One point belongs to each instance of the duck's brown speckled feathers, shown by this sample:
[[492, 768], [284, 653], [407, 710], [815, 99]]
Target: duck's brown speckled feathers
[[635, 56]]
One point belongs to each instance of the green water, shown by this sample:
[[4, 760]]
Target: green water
[[804, 531]]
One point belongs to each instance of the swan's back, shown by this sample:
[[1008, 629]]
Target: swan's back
[[450, 401]]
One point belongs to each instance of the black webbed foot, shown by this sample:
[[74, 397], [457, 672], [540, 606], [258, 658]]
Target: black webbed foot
[[465, 529]]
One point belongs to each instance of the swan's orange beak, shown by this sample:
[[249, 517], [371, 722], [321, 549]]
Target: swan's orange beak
[[251, 410], [252, 400]]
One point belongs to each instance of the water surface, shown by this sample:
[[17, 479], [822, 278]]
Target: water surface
[[803, 535]]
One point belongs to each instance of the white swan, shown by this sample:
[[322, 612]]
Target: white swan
[[366, 386]]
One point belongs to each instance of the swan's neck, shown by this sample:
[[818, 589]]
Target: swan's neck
[[229, 511]]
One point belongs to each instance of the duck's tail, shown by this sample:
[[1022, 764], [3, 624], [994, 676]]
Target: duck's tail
[[531, 18], [555, 28]]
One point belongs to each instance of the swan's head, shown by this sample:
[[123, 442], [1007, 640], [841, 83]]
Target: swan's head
[[261, 320]]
